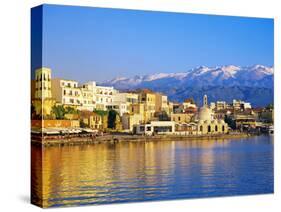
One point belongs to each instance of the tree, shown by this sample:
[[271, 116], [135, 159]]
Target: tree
[[100, 112], [71, 110], [112, 119], [230, 122], [59, 111], [269, 107]]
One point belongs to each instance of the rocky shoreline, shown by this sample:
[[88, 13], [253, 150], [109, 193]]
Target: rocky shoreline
[[47, 141]]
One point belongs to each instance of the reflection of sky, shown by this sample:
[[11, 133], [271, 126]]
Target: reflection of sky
[[127, 172], [106, 43]]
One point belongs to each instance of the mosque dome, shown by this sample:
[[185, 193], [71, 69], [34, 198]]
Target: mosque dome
[[205, 114]]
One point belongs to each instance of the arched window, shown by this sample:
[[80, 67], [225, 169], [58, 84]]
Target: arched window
[[223, 128], [201, 128], [216, 128], [209, 128]]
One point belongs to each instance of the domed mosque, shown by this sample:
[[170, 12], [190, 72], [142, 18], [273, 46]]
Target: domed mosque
[[207, 124]]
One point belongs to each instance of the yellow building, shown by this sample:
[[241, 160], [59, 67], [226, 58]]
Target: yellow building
[[93, 120], [161, 103], [181, 117], [41, 92], [43, 83], [148, 98], [129, 120], [188, 103]]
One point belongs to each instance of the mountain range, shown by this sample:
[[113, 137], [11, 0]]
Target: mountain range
[[249, 83]]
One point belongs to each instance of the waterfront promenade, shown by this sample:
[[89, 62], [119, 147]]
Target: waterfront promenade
[[116, 138]]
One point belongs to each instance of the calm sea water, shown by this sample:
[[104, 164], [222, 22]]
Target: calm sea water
[[128, 172]]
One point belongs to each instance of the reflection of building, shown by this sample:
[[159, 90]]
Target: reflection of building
[[207, 124]]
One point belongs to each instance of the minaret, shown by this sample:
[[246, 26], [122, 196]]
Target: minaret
[[205, 101]]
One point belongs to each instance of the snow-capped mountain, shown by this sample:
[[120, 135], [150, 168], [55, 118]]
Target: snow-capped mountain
[[203, 79]]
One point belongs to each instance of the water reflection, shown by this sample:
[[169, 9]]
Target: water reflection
[[125, 172]]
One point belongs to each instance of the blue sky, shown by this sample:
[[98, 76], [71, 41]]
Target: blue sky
[[85, 43]]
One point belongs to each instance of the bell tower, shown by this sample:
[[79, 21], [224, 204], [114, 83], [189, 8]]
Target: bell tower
[[205, 101]]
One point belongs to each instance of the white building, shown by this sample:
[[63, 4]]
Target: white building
[[66, 92], [88, 91], [241, 105], [155, 127], [104, 96], [121, 102]]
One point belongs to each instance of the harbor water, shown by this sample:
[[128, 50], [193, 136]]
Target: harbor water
[[146, 171]]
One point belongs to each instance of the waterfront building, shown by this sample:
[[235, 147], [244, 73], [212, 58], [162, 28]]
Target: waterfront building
[[220, 105], [122, 101], [147, 98], [88, 91], [67, 92], [189, 104], [42, 99], [43, 83], [104, 96], [155, 127], [241, 105], [245, 120], [177, 107], [187, 128], [90, 119], [170, 108], [207, 124], [212, 105], [161, 103], [182, 117], [129, 120]]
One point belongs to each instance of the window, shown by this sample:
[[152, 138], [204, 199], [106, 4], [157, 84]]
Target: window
[[216, 128], [209, 128], [201, 128], [223, 128]]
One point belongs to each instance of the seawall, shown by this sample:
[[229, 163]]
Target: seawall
[[77, 140]]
